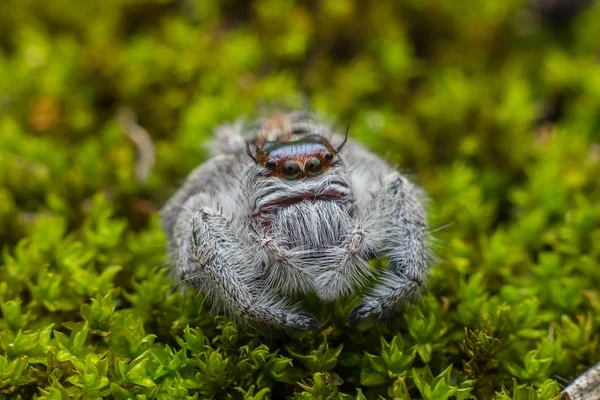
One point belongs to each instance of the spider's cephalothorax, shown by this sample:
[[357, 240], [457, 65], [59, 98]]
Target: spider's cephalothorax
[[291, 207]]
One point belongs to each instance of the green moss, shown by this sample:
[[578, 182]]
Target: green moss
[[493, 110]]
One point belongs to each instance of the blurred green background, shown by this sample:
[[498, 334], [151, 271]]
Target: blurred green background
[[492, 106]]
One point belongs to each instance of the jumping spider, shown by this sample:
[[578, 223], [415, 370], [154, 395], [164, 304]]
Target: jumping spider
[[291, 207]]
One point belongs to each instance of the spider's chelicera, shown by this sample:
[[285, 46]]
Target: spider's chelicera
[[290, 207]]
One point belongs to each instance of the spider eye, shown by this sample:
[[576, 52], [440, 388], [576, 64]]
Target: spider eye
[[271, 164], [329, 156], [291, 170], [313, 167]]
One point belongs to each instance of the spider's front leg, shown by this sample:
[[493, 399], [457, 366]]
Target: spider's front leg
[[211, 256], [398, 209]]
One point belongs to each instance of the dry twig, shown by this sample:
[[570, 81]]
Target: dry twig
[[139, 136]]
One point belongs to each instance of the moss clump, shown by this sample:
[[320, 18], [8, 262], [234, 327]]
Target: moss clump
[[494, 110]]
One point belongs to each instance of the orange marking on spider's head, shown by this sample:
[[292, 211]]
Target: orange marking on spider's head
[[309, 156]]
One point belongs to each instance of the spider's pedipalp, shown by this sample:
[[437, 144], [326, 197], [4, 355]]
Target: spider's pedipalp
[[284, 270], [346, 268]]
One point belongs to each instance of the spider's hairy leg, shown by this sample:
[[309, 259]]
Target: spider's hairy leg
[[350, 261], [399, 210], [209, 177], [208, 249]]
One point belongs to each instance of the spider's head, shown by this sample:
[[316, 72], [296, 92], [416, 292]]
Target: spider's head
[[307, 157], [295, 165]]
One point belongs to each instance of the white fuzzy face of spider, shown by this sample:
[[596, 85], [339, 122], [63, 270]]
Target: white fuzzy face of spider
[[301, 174], [296, 214]]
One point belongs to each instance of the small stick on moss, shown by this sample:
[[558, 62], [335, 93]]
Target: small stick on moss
[[139, 136], [585, 387]]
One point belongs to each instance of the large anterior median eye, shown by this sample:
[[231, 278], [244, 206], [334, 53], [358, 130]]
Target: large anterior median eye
[[291, 170], [313, 167]]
